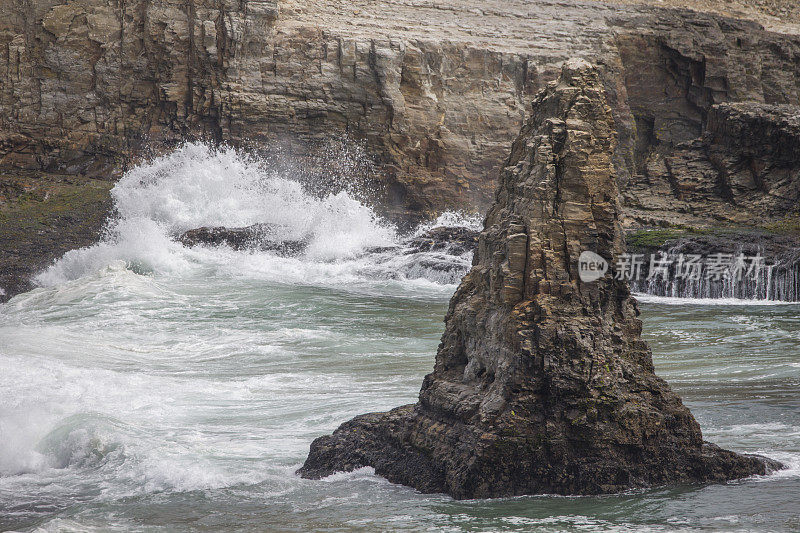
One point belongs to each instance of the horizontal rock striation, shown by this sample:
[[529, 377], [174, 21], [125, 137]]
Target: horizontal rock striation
[[542, 383], [780, 15]]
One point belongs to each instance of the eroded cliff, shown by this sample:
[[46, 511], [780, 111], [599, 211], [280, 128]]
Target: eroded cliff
[[434, 90]]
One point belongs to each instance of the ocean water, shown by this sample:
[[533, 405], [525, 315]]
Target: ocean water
[[147, 386]]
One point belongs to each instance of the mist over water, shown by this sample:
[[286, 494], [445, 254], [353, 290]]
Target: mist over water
[[147, 385]]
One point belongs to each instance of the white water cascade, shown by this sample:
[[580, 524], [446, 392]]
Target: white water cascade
[[777, 281]]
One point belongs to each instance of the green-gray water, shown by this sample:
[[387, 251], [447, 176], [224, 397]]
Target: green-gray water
[[146, 386]]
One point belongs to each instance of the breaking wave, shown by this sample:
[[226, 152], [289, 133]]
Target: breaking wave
[[198, 186]]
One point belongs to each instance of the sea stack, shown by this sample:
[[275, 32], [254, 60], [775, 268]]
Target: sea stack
[[542, 383]]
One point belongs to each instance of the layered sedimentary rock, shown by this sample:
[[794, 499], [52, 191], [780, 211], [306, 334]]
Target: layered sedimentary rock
[[542, 383], [743, 170], [436, 90], [780, 15]]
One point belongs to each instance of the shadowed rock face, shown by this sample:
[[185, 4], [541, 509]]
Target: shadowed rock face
[[542, 383], [743, 169]]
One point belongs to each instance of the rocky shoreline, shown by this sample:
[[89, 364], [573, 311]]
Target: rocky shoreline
[[43, 216], [751, 263]]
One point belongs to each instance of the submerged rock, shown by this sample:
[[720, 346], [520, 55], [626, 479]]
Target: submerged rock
[[264, 237], [448, 240], [452, 240], [542, 383], [442, 254]]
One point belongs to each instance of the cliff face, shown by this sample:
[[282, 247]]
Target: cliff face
[[435, 90], [93, 82], [686, 167], [744, 169], [542, 383], [778, 15]]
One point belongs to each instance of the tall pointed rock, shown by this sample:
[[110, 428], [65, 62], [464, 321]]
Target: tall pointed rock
[[542, 383]]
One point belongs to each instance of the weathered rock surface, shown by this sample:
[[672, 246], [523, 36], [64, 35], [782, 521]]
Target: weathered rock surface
[[436, 90], [776, 15], [542, 383], [743, 170]]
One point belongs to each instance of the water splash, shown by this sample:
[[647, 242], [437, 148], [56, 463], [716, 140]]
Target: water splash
[[197, 186]]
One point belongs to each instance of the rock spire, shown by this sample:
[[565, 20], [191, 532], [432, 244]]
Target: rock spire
[[542, 383]]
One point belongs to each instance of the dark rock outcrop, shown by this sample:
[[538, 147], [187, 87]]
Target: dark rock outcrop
[[542, 383], [265, 237], [453, 240], [441, 254], [43, 216]]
